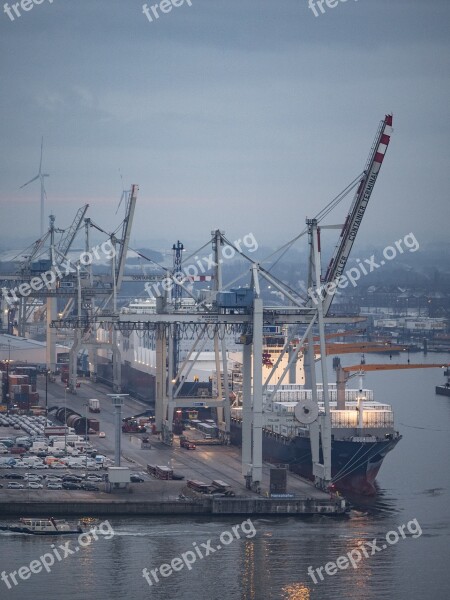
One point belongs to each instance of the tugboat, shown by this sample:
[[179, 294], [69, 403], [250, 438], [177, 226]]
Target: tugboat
[[43, 527]]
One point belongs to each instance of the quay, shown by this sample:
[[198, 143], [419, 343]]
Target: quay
[[154, 496]]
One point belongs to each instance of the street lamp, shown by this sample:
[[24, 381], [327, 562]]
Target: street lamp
[[7, 376], [65, 419], [86, 404], [117, 400], [47, 372]]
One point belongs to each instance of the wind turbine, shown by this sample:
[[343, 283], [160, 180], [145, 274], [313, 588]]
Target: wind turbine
[[40, 176], [125, 193]]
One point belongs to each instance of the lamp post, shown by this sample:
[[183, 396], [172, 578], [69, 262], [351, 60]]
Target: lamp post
[[7, 377], [86, 404], [65, 419], [117, 400], [46, 392]]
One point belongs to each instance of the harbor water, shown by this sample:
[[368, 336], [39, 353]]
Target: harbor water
[[270, 560]]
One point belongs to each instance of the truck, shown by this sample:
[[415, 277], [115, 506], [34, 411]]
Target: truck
[[219, 486], [186, 443], [30, 461], [38, 447], [65, 373], [132, 426], [54, 431], [94, 405]]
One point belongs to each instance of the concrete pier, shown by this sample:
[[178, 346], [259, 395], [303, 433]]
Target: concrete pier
[[156, 497], [96, 507]]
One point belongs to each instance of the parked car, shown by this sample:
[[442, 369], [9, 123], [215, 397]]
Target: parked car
[[102, 434], [69, 485], [29, 477], [35, 485], [72, 479], [136, 478], [90, 487], [54, 486], [13, 485], [96, 478], [14, 476]]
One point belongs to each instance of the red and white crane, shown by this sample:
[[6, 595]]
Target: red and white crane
[[358, 207]]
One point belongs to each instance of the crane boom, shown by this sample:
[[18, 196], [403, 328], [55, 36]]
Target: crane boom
[[66, 242], [358, 207], [126, 234], [390, 367], [357, 348]]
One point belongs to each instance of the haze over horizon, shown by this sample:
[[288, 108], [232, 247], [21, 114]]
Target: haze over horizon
[[247, 116]]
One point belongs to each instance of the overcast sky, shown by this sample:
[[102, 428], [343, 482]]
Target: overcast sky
[[248, 115]]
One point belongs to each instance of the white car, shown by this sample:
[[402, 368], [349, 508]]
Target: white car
[[54, 486], [29, 477], [34, 485], [102, 434], [40, 466]]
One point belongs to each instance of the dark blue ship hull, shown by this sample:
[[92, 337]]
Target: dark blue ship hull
[[354, 464]]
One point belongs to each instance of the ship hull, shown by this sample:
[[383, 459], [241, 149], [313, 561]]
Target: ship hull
[[354, 464], [27, 530]]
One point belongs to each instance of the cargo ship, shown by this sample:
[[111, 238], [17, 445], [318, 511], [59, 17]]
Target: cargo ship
[[362, 435]]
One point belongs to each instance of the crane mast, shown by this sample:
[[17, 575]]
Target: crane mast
[[358, 207]]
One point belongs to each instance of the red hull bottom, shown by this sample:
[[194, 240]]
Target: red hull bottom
[[363, 485]]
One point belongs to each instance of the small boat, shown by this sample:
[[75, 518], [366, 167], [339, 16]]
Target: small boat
[[50, 526], [444, 390]]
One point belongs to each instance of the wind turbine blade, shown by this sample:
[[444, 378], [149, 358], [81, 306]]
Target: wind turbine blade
[[121, 198], [42, 148], [31, 181]]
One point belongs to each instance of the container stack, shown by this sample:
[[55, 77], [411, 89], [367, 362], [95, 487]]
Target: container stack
[[19, 390], [31, 372]]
